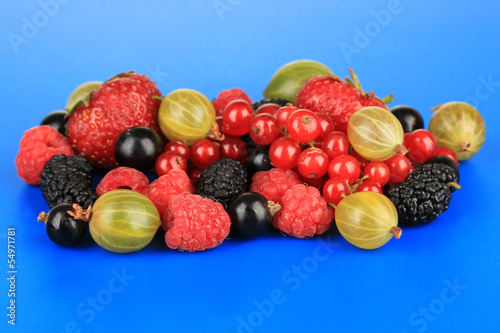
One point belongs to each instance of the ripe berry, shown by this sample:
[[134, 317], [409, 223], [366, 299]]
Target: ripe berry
[[264, 129], [303, 125], [362, 161], [409, 118], [274, 183], [168, 186], [227, 96], [233, 147], [313, 163], [284, 153], [326, 126], [138, 147], [37, 146], [268, 108], [283, 113], [204, 152], [335, 143], [237, 117], [378, 172], [399, 168], [180, 147], [63, 226], [448, 152], [168, 161], [369, 186], [123, 178], [334, 190], [249, 215], [304, 214], [421, 145], [194, 223], [57, 120], [259, 161], [344, 167]]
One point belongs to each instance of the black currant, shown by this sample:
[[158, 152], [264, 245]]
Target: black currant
[[409, 118], [259, 160], [249, 215], [64, 229], [138, 147], [57, 120]]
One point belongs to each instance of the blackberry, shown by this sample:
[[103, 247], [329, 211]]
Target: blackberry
[[420, 199], [222, 181], [67, 179], [278, 101], [443, 172]]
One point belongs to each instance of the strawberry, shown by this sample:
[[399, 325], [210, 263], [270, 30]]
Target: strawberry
[[337, 98], [124, 101]]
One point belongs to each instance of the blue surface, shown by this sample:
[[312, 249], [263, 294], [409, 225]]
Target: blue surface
[[442, 277]]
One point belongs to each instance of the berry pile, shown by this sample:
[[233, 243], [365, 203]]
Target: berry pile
[[203, 170]]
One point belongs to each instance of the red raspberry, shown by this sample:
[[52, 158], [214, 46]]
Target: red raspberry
[[304, 212], [227, 96], [37, 146], [274, 183], [123, 178], [194, 223], [168, 186]]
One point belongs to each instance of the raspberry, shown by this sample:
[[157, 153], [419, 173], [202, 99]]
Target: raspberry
[[274, 183], [123, 178], [194, 223], [227, 96], [37, 146], [304, 212], [168, 186]]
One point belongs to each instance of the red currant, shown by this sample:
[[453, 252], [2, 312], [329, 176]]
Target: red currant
[[168, 161], [362, 161], [193, 174], [269, 108], [370, 186], [313, 163], [377, 172], [284, 153], [448, 152], [203, 153], [399, 168], [264, 129], [315, 182], [283, 113], [335, 144], [334, 190], [421, 145], [303, 125], [344, 167], [237, 117], [180, 147], [326, 126], [233, 147]]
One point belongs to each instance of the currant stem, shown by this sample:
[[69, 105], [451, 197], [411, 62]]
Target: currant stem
[[42, 217], [273, 207], [334, 206], [158, 98], [78, 213]]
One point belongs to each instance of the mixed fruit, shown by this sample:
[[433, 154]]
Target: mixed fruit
[[315, 151]]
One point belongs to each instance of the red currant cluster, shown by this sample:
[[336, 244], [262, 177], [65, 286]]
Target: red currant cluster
[[303, 141]]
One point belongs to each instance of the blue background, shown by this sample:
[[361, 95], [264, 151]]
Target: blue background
[[425, 52]]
